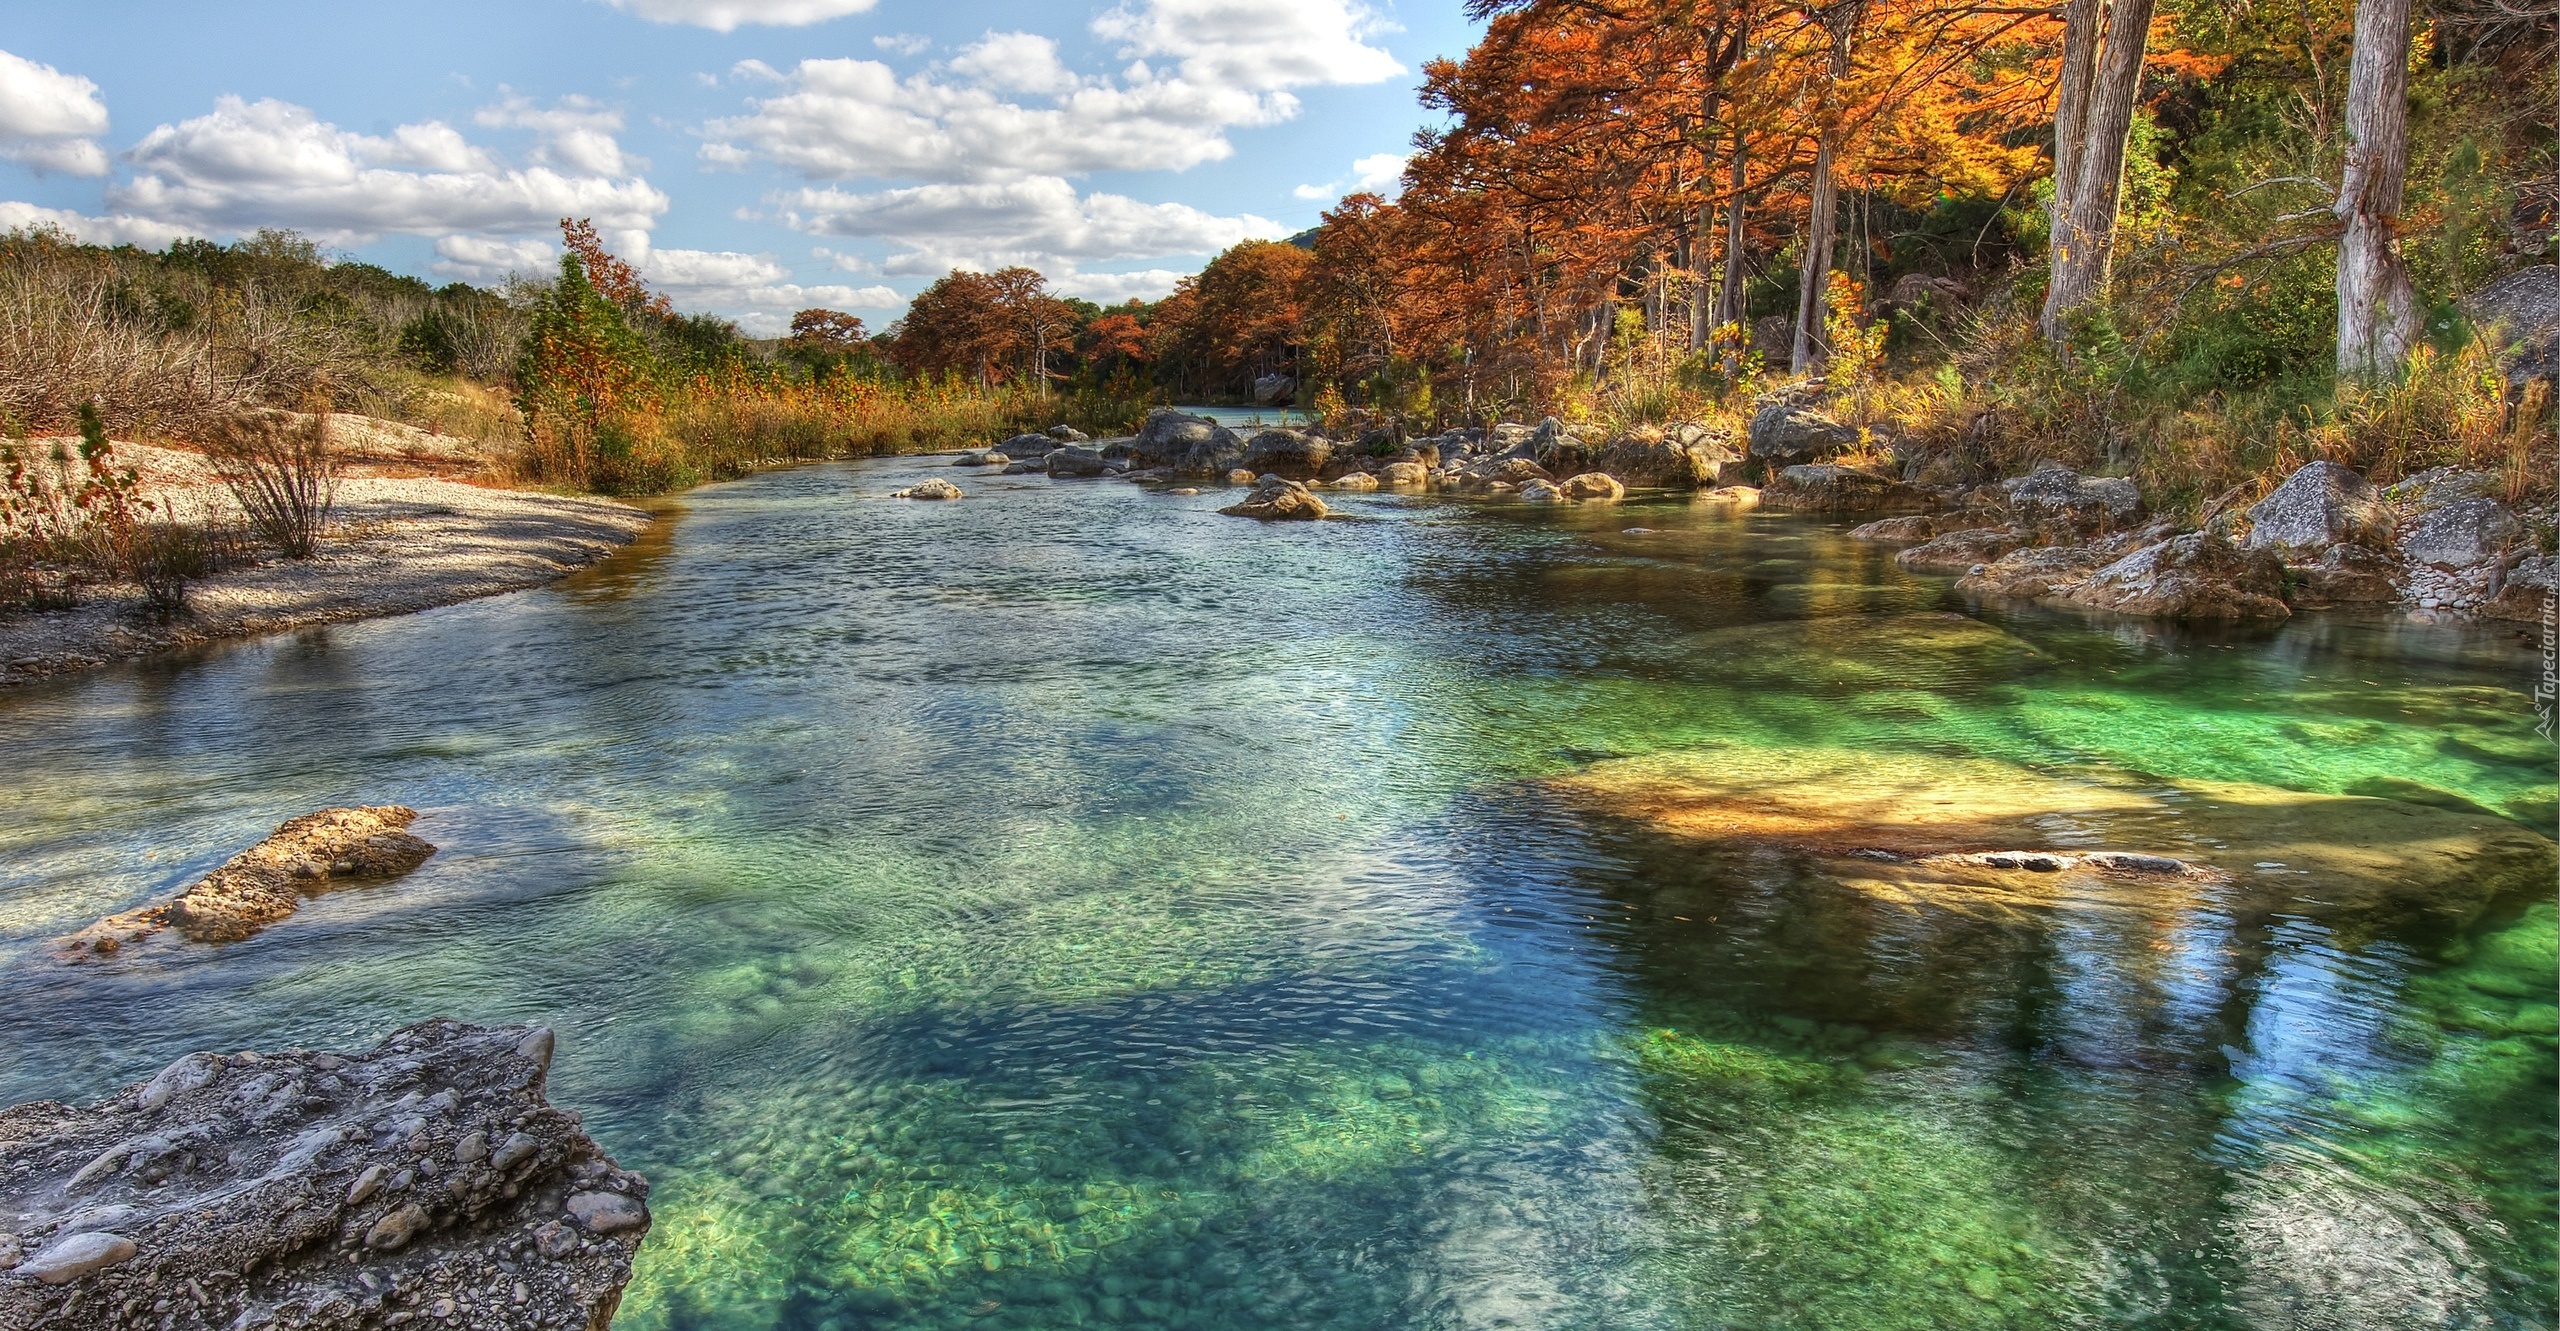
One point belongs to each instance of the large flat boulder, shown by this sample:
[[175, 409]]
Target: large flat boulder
[[1961, 550], [427, 1181], [2464, 534]]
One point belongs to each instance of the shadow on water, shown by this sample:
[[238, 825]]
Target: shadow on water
[[1070, 907]]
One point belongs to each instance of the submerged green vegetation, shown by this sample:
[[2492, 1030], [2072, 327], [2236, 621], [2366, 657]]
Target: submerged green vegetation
[[1244, 957]]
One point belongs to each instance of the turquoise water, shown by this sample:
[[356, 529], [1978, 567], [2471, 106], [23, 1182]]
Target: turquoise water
[[1070, 907]]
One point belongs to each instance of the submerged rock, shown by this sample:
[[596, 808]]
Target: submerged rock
[[1977, 836], [1278, 499], [320, 1192], [937, 488], [267, 882]]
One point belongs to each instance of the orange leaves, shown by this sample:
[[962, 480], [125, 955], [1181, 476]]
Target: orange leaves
[[613, 279]]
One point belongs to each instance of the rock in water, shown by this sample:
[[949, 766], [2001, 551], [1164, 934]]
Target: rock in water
[[2318, 506], [1067, 434], [937, 488], [268, 881], [1278, 499], [1593, 485], [1185, 444], [1542, 492], [1358, 480], [1027, 446], [1076, 460], [1960, 551], [1826, 488], [2195, 576], [1404, 473], [1287, 453], [227, 1203]]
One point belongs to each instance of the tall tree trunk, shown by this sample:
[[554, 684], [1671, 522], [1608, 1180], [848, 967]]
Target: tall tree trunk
[[1816, 267], [1823, 227], [2377, 310], [1729, 288], [2084, 237], [2081, 23], [1701, 305]]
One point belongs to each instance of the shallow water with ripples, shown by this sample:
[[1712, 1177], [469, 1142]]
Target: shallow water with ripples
[[1069, 907]]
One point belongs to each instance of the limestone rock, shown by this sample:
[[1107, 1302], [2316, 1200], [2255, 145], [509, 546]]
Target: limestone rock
[[1960, 551], [1542, 492], [1241, 476], [2522, 313], [2319, 506], [1593, 485], [982, 457], [2034, 571], [937, 488], [1677, 457], [2461, 535], [1075, 461], [2344, 575], [241, 1200], [1067, 434], [2195, 576], [2527, 593], [1358, 480], [1404, 474], [1274, 390], [1185, 444], [1287, 453], [2438, 486], [2061, 504], [1278, 499], [1027, 446], [1785, 432], [1026, 467], [1823, 487], [268, 881], [1508, 470]]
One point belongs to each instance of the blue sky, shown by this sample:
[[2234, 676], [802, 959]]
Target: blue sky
[[758, 156]]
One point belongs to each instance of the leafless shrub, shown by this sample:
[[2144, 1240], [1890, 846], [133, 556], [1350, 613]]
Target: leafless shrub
[[281, 469]]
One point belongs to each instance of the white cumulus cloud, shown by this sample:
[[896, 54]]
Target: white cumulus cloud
[[50, 120], [754, 289], [1120, 288], [1256, 43], [1378, 171], [272, 163], [141, 231], [1040, 221], [485, 260], [730, 15], [1007, 107], [846, 119]]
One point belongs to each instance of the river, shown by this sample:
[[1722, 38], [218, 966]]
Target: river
[[1071, 907]]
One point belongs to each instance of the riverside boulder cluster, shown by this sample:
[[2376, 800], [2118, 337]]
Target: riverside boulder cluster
[[2440, 541]]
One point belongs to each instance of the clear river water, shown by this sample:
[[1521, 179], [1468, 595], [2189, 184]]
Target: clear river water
[[1069, 907]]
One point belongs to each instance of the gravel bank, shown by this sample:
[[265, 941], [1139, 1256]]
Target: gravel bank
[[398, 544]]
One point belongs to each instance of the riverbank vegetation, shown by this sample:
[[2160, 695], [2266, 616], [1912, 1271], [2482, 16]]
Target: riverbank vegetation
[[2198, 245]]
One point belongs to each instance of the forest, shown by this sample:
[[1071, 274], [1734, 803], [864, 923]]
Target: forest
[[2195, 243]]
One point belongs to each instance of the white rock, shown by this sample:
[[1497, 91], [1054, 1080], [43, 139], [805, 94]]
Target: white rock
[[68, 1259]]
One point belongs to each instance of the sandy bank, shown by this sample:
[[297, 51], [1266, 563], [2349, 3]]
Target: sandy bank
[[398, 544]]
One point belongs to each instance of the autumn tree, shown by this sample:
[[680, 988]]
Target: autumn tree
[[2103, 42], [582, 366]]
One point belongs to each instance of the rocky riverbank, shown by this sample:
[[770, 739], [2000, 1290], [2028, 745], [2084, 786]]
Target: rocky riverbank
[[427, 1181], [2439, 542]]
